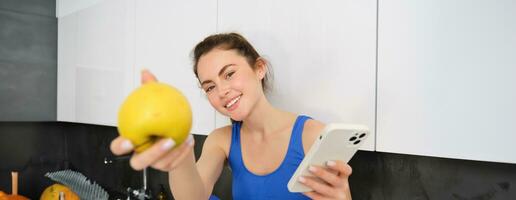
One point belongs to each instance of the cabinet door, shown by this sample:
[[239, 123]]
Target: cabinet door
[[446, 82], [96, 47], [67, 32], [67, 7], [322, 54], [165, 34]]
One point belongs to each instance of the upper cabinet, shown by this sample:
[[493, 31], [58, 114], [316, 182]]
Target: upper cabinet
[[446, 82], [432, 78], [165, 34], [67, 7], [102, 49], [95, 62], [322, 54]]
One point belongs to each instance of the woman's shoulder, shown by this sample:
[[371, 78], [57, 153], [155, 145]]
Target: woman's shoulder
[[221, 132], [312, 129], [220, 137]]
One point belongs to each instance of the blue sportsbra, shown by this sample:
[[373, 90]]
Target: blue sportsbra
[[249, 186]]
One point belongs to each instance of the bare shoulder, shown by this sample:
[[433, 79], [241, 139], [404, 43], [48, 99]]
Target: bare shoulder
[[220, 138], [314, 127], [311, 131]]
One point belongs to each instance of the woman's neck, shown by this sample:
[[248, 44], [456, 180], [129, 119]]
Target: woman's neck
[[265, 118]]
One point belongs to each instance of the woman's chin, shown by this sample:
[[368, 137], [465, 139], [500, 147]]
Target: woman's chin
[[236, 116]]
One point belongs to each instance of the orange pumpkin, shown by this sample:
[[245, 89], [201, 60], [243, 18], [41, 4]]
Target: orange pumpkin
[[52, 193], [4, 196]]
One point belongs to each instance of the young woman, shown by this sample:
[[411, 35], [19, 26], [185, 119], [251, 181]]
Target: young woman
[[264, 145]]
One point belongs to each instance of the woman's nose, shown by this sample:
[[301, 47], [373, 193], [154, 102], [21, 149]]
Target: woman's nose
[[223, 90]]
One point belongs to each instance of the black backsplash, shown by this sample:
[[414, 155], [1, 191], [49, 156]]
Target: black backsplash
[[34, 148], [395, 176]]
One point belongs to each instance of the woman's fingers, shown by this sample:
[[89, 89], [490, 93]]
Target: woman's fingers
[[343, 168], [120, 146], [183, 154], [330, 181], [159, 155], [147, 76], [327, 175], [317, 185], [167, 162], [150, 155]]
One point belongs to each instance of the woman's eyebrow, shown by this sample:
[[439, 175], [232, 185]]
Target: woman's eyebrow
[[220, 73]]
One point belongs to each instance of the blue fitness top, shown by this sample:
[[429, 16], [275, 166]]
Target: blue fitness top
[[249, 186]]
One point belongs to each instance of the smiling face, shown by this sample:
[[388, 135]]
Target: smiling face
[[232, 86]]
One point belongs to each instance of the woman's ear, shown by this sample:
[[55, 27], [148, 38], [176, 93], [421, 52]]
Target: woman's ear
[[261, 67]]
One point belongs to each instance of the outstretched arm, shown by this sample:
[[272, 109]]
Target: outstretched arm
[[187, 179]]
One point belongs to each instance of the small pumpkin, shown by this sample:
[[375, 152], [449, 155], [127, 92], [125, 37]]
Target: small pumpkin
[[52, 193]]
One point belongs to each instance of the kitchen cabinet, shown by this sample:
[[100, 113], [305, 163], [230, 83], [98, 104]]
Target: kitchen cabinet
[[432, 78], [322, 54], [67, 7], [446, 84], [165, 34], [103, 48], [95, 62]]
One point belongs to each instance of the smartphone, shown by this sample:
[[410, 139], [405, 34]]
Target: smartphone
[[337, 141]]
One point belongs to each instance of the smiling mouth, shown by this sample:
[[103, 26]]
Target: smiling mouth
[[232, 102]]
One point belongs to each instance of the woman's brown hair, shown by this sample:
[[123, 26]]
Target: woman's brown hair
[[230, 41]]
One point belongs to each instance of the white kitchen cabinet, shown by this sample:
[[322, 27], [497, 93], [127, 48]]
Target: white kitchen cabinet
[[95, 62], [66, 44], [165, 34], [67, 7], [322, 54], [443, 86], [446, 84], [103, 48]]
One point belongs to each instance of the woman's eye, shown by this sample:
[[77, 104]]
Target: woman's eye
[[228, 75], [208, 89]]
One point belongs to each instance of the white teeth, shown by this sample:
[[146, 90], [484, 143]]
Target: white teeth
[[233, 101]]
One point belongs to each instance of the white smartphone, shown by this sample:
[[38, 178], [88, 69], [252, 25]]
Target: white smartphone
[[336, 142]]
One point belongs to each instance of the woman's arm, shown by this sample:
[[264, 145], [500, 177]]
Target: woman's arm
[[187, 180], [195, 181]]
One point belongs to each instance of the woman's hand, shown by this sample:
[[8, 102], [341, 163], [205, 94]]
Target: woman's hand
[[162, 155], [330, 182]]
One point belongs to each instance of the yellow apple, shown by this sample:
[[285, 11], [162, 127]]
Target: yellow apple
[[153, 111]]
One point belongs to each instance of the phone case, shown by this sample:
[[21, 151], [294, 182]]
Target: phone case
[[336, 142]]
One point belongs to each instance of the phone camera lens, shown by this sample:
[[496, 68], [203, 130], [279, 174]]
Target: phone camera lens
[[362, 135], [352, 138], [356, 142]]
